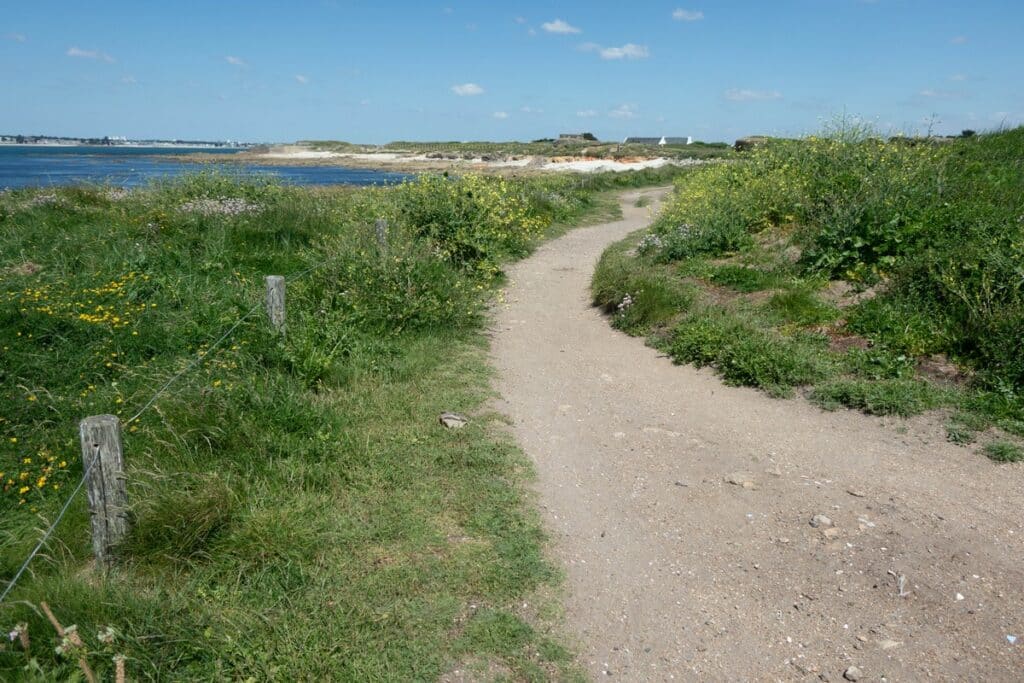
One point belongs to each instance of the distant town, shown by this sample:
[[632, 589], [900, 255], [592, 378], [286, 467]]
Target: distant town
[[116, 141]]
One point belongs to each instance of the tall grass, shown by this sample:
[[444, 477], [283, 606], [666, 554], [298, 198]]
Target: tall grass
[[932, 235], [940, 225], [297, 512]]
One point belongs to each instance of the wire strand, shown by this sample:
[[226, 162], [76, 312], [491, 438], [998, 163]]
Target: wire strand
[[49, 531]]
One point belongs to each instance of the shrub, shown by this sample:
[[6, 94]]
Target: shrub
[[474, 221]]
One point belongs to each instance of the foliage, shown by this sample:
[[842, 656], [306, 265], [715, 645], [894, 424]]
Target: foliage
[[297, 511], [903, 397], [474, 221], [939, 224], [877, 258], [1004, 451]]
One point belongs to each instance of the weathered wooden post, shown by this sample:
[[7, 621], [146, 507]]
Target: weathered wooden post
[[275, 302], [382, 235], [107, 489]]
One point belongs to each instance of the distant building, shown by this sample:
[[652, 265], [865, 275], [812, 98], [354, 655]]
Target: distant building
[[663, 140], [577, 137]]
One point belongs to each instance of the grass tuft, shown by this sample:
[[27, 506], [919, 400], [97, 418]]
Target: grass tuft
[[1003, 451], [902, 397]]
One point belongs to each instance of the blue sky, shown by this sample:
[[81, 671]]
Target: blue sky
[[380, 71]]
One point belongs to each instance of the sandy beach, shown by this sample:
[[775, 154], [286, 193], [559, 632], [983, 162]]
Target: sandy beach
[[301, 155]]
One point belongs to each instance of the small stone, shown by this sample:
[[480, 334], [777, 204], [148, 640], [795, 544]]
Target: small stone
[[453, 420], [853, 674], [743, 479], [856, 493], [830, 532], [820, 520]]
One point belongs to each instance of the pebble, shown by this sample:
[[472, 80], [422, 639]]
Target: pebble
[[852, 674], [820, 520], [744, 479]]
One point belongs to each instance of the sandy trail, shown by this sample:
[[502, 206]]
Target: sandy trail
[[680, 509]]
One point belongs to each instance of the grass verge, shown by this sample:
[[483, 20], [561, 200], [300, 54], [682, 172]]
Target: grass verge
[[297, 510], [877, 276]]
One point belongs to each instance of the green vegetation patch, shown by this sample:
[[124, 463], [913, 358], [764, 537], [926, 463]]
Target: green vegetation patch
[[1003, 451], [885, 277], [297, 511]]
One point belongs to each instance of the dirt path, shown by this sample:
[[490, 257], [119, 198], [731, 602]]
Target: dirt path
[[680, 509]]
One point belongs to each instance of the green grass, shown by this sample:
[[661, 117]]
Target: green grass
[[298, 512], [1004, 451], [928, 240], [802, 307], [744, 278], [902, 397]]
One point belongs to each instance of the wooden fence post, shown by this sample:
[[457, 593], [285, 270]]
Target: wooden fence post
[[107, 489], [382, 235], [275, 302]]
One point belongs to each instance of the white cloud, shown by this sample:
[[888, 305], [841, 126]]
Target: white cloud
[[128, 80], [79, 53], [520, 20], [744, 95], [235, 61], [958, 40], [16, 37], [687, 15], [627, 51], [500, 115], [467, 89], [531, 110], [932, 93], [958, 77], [364, 103], [586, 113], [624, 111], [588, 47], [559, 26], [302, 79]]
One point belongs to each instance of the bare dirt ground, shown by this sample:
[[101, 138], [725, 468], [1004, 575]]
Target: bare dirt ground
[[681, 510]]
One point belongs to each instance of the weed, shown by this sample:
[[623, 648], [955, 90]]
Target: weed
[[1003, 451], [902, 397], [743, 278], [744, 354], [929, 236], [802, 307]]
